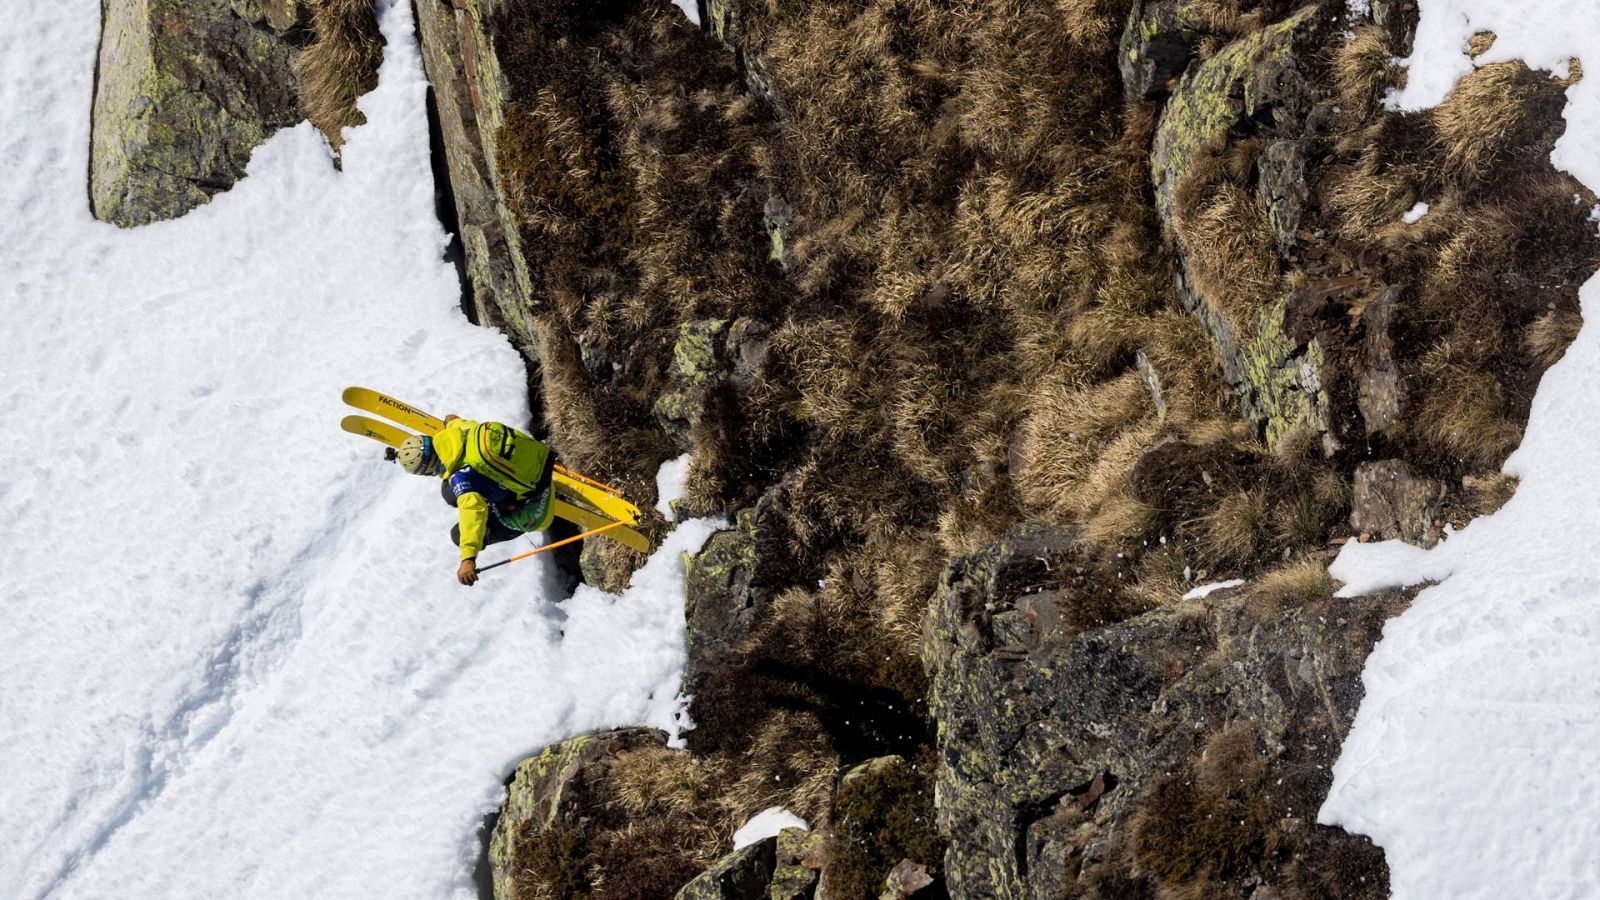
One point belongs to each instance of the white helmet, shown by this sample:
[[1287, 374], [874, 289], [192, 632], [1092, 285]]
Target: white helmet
[[417, 457]]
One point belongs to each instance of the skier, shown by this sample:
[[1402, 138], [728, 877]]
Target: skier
[[497, 477]]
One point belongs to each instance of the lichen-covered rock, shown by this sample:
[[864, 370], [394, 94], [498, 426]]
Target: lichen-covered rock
[[741, 875], [799, 864], [1248, 78], [1059, 748], [1284, 190], [778, 217], [729, 582], [698, 358], [185, 91], [1276, 374], [1157, 43], [1392, 503], [534, 798], [469, 98]]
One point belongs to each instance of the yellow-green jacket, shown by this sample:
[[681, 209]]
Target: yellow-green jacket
[[494, 468]]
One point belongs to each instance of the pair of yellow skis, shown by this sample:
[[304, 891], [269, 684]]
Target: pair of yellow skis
[[580, 500]]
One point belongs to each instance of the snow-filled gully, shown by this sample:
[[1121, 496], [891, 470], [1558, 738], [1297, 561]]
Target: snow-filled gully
[[236, 661]]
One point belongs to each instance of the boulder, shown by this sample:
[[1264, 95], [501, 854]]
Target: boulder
[[1380, 391], [905, 880], [741, 875], [730, 581], [540, 794], [1064, 753], [1389, 502], [184, 92]]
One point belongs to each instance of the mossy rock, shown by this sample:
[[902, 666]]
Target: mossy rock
[[1157, 43], [540, 785], [798, 865], [1240, 81], [1277, 377], [185, 92], [882, 813], [699, 357]]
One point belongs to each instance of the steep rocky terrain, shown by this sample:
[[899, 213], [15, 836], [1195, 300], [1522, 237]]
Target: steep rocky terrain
[[994, 327]]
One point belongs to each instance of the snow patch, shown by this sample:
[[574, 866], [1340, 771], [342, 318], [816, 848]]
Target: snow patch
[[765, 824], [670, 480], [1415, 214], [1206, 590], [1474, 760], [690, 8]]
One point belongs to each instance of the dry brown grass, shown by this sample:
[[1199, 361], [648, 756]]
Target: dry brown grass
[[339, 66], [1364, 67], [1549, 336], [1231, 253], [1282, 589], [1491, 111], [1232, 531], [1078, 442]]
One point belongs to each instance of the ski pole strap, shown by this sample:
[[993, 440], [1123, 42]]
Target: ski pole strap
[[561, 543]]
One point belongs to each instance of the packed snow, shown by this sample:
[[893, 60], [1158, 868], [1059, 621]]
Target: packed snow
[[690, 8], [670, 480], [765, 824], [1474, 760], [236, 661], [1206, 590]]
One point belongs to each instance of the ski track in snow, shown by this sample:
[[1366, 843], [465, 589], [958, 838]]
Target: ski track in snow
[[1474, 760], [236, 662]]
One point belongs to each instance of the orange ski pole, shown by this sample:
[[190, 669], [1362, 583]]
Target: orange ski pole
[[561, 543]]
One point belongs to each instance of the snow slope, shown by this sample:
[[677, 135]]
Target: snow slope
[[1475, 757], [233, 657]]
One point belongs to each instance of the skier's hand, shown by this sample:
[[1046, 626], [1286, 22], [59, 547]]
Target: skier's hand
[[468, 573]]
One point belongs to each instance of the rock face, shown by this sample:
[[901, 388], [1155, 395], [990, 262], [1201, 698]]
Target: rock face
[[1067, 757], [1157, 44], [469, 100], [185, 92]]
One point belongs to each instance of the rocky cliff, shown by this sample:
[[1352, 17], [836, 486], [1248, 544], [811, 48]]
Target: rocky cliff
[[995, 328]]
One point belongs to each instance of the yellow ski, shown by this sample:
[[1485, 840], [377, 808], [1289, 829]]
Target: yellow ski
[[382, 432], [613, 506], [588, 520], [392, 409]]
